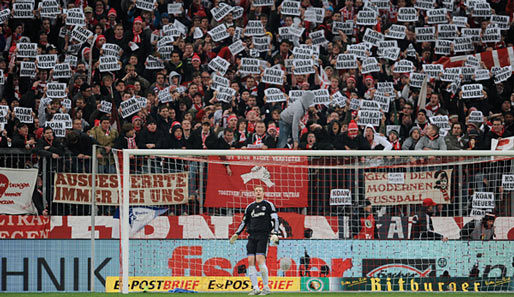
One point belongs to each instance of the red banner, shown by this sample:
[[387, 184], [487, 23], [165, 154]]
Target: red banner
[[24, 227], [285, 180]]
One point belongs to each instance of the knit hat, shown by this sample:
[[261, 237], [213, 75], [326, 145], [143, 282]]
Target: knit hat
[[112, 11], [196, 57], [353, 129], [135, 118], [138, 20], [428, 202], [352, 78]]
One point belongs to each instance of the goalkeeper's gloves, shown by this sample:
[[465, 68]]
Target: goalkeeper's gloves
[[274, 239], [233, 239]]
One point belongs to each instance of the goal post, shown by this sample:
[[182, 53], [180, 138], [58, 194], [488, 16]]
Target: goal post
[[334, 187]]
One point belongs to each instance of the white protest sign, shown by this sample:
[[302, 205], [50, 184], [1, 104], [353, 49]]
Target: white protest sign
[[442, 47], [396, 32], [483, 200], [290, 7], [433, 70], [482, 74], [403, 66], [314, 15], [175, 8], [49, 9], [372, 36], [385, 44], [358, 50], [503, 74], [472, 91], [129, 107], [75, 17], [460, 21], [219, 81], [219, 64], [369, 105], [221, 11], [261, 43], [23, 10], [340, 197], [27, 69], [303, 66], [502, 21], [165, 52], [382, 100], [111, 49], [237, 13], [472, 61], [249, 66], [109, 63], [56, 90], [225, 94], [72, 60], [236, 47], [300, 53], [476, 116], [81, 34], [321, 96], [492, 35], [262, 2], [424, 4], [164, 95], [391, 53], [254, 28], [346, 61], [355, 104], [451, 74], [318, 37], [407, 14], [481, 9], [26, 50], [219, 32], [105, 106], [145, 5], [385, 87], [440, 121], [416, 79], [5, 15], [473, 33], [369, 117], [346, 27], [462, 44], [171, 30], [295, 95], [366, 18], [66, 103], [370, 65], [62, 70], [425, 34], [274, 95], [24, 114], [396, 178], [467, 73], [390, 128], [508, 182], [64, 118], [153, 63], [436, 16], [57, 127], [339, 100], [273, 76], [447, 31], [46, 61]]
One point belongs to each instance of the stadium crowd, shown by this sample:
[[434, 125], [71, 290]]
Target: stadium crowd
[[235, 74]]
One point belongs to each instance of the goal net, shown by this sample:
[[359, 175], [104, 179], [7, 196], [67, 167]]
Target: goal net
[[351, 220]]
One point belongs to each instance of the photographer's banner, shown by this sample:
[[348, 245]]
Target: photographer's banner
[[384, 188], [232, 185], [16, 189], [145, 189]]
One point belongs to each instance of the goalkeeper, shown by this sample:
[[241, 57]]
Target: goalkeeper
[[260, 219]]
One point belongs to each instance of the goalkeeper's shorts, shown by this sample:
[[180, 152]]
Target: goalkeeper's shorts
[[257, 244]]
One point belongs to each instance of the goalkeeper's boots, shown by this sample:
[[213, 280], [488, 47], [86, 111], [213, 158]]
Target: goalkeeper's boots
[[254, 292], [265, 291]]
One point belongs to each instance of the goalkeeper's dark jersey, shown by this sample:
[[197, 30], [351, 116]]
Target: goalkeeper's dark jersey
[[259, 217]]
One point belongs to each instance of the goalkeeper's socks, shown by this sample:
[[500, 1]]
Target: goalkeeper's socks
[[252, 274], [264, 274]]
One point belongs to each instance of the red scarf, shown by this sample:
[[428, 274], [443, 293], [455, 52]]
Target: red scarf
[[137, 38], [131, 142], [204, 137], [500, 134], [396, 146]]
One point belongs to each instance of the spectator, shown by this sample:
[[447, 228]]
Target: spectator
[[497, 132], [432, 140], [352, 139], [105, 137], [479, 230], [375, 140], [290, 120], [422, 227], [455, 139], [81, 147], [47, 146]]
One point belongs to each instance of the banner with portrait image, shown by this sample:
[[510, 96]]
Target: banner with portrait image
[[412, 188]]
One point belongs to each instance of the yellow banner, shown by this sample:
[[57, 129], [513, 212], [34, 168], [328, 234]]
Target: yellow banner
[[200, 284]]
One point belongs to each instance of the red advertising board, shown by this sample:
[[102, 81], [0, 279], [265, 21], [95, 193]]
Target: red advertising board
[[285, 180]]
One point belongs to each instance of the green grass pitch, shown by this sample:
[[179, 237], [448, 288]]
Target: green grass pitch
[[349, 294]]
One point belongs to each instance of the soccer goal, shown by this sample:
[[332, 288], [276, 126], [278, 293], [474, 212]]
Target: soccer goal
[[349, 220]]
